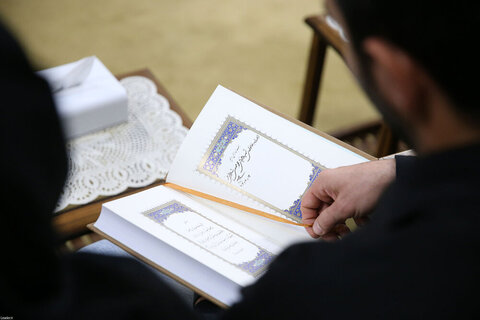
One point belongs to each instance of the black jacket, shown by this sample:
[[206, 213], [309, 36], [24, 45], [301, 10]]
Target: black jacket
[[35, 282], [419, 257]]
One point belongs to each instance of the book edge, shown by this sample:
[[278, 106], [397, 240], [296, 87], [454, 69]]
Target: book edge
[[308, 127]]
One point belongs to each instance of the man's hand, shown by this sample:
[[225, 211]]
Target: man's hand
[[342, 193]]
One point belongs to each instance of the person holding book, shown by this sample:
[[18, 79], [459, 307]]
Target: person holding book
[[418, 257]]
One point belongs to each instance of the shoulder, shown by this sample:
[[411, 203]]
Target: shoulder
[[370, 273]]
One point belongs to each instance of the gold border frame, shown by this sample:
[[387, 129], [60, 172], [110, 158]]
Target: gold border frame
[[160, 207], [212, 145]]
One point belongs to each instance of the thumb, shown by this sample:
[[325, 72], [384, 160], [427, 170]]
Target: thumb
[[329, 218]]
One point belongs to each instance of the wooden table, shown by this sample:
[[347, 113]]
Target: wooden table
[[73, 222]]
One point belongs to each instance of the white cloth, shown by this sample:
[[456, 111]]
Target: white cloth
[[134, 154]]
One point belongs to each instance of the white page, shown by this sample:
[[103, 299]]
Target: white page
[[199, 232], [181, 266], [281, 234], [278, 160]]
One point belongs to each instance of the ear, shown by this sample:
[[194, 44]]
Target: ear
[[399, 78]]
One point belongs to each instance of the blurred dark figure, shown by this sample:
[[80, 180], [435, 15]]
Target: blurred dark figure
[[419, 256], [35, 282]]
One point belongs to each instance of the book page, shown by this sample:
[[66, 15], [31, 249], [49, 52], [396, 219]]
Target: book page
[[240, 158], [241, 152], [210, 238]]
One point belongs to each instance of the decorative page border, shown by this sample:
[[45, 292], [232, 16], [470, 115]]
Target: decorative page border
[[294, 210], [255, 267], [212, 159]]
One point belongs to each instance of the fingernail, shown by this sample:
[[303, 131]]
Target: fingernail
[[317, 229]]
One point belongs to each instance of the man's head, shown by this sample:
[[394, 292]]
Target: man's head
[[416, 60]]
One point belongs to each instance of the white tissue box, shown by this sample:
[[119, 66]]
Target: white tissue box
[[100, 101]]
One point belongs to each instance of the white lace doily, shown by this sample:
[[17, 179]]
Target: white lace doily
[[133, 154]]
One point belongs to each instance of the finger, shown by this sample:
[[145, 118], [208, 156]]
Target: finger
[[310, 217], [310, 207], [313, 200], [309, 221], [311, 233], [330, 217]]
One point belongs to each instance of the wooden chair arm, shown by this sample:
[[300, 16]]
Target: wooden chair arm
[[320, 26]]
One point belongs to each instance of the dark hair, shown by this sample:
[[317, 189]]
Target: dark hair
[[440, 36]]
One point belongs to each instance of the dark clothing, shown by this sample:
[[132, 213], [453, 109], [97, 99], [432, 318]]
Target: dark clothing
[[419, 257], [35, 282], [32, 173]]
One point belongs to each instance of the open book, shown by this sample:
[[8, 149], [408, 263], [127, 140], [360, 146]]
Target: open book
[[242, 152]]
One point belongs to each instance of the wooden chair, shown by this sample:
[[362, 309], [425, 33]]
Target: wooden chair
[[324, 36]]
